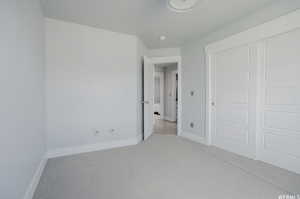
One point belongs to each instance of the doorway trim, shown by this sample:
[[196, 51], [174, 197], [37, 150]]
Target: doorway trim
[[174, 59], [160, 75]]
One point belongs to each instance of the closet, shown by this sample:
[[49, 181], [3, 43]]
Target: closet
[[253, 95]]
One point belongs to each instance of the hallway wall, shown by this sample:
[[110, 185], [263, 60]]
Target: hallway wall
[[170, 93]]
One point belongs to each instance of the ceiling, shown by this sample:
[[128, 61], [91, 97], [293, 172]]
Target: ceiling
[[149, 19]]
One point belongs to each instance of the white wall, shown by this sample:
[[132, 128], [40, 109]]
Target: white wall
[[22, 141], [92, 84], [164, 52], [170, 92], [193, 63]]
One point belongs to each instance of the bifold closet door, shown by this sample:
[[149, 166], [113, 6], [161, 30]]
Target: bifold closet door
[[280, 132], [233, 108], [254, 92]]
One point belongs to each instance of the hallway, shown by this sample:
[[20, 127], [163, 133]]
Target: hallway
[[165, 127]]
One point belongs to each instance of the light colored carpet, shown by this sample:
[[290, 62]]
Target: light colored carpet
[[163, 167]]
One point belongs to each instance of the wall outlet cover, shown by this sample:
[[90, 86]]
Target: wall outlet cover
[[192, 125]]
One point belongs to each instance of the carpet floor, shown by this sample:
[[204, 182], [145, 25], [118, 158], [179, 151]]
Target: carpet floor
[[163, 167]]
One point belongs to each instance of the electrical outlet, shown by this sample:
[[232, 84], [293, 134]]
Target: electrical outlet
[[96, 133], [111, 130], [192, 125]]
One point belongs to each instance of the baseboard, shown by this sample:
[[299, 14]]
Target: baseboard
[[139, 137], [93, 147], [35, 180], [193, 137], [169, 119]]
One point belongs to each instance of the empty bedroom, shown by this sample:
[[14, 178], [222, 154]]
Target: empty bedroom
[[143, 99]]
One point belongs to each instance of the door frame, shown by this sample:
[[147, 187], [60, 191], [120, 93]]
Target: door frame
[[162, 91], [174, 59], [174, 94]]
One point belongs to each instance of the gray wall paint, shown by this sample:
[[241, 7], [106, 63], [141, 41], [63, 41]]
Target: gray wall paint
[[193, 62], [22, 142], [91, 84], [169, 91]]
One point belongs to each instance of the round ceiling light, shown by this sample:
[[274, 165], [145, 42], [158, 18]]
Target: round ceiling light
[[181, 5]]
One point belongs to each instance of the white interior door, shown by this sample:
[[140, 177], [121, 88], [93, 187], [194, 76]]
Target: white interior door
[[280, 132], [233, 104], [148, 97], [276, 100]]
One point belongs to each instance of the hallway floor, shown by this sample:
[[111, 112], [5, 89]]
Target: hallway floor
[[163, 167], [164, 127]]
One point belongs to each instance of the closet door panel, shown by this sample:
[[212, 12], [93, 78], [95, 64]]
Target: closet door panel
[[234, 98], [281, 101]]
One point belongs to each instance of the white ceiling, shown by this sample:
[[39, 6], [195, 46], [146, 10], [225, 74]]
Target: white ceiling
[[149, 19]]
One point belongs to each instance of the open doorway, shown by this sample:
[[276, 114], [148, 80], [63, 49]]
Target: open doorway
[[162, 96], [165, 98]]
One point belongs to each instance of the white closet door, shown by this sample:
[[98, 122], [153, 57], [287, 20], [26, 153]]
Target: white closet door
[[234, 99], [280, 136]]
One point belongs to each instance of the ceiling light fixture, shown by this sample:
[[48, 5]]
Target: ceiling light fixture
[[181, 5], [162, 38]]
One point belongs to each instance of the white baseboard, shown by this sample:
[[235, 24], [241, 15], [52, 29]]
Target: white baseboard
[[169, 119], [93, 147], [139, 137], [193, 137], [35, 180], [75, 150]]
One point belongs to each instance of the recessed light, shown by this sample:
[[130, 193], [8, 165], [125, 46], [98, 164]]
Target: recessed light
[[162, 38], [181, 5]]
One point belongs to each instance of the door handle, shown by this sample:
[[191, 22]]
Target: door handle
[[213, 103], [145, 102]]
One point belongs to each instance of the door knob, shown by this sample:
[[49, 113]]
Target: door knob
[[213, 104]]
